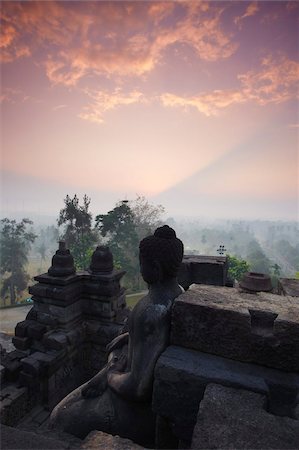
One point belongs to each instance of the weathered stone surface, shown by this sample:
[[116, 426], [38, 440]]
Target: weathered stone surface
[[203, 269], [236, 419], [65, 313], [15, 439], [288, 286], [55, 294], [14, 404], [2, 372], [181, 376], [101, 333], [21, 328], [12, 367], [55, 340], [31, 365], [103, 441], [47, 319], [21, 343], [36, 330], [259, 328], [29, 380]]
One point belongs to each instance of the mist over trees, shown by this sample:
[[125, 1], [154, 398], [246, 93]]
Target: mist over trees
[[15, 241], [260, 246]]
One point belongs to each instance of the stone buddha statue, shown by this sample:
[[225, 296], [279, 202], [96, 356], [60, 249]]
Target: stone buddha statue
[[118, 399]]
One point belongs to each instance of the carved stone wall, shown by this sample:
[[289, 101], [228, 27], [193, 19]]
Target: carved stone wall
[[61, 343]]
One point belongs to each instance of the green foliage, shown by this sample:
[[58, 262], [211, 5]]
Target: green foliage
[[237, 267], [15, 241], [276, 269], [78, 233], [123, 227], [275, 272], [119, 229]]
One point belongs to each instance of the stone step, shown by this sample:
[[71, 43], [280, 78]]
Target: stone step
[[34, 419]]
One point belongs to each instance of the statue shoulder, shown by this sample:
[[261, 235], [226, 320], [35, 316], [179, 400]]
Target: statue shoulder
[[154, 313]]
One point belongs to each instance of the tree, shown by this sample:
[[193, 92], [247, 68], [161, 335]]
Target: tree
[[275, 274], [146, 216], [276, 270], [118, 227], [257, 258], [15, 241], [78, 233], [123, 227], [42, 250], [237, 267]]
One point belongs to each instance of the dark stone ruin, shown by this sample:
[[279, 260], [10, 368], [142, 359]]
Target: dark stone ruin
[[62, 342], [201, 269], [228, 377]]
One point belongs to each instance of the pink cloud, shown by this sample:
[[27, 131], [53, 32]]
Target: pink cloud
[[105, 101], [126, 39], [275, 82], [251, 10], [11, 95]]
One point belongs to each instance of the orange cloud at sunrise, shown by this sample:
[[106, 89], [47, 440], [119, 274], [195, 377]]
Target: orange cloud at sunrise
[[140, 97]]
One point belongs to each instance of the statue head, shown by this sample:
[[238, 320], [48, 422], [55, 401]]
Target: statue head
[[160, 255]]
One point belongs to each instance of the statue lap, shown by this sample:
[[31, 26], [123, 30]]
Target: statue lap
[[108, 413]]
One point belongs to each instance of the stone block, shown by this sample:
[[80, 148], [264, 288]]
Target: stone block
[[31, 366], [14, 404], [101, 333], [99, 308], [29, 380], [181, 377], [236, 419], [56, 294], [201, 269], [67, 315], [12, 368], [103, 441], [67, 376], [288, 286], [47, 319], [36, 330], [21, 343], [41, 364], [37, 346], [21, 328], [16, 355], [76, 336], [32, 314], [55, 340], [258, 328]]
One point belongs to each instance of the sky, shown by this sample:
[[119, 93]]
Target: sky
[[191, 104]]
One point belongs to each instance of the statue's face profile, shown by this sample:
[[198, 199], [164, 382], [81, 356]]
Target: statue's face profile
[[150, 270]]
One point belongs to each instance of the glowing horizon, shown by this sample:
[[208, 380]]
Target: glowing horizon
[[189, 103]]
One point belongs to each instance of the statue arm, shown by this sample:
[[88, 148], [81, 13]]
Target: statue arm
[[136, 384], [118, 342]]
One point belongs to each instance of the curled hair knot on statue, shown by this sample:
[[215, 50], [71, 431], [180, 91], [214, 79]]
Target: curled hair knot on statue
[[163, 246]]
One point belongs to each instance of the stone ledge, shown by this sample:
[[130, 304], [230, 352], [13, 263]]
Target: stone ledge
[[288, 286], [261, 328], [181, 377], [236, 419]]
